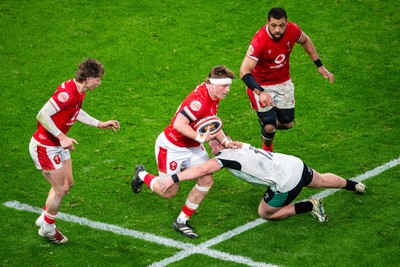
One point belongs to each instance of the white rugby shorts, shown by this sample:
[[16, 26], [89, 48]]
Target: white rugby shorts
[[47, 157], [172, 159], [282, 94]]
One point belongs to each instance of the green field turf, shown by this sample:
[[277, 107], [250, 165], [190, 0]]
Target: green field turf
[[155, 53]]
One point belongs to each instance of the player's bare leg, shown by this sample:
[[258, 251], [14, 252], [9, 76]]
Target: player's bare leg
[[267, 137], [268, 212], [331, 180], [277, 213], [327, 180], [60, 180], [195, 197], [141, 177]]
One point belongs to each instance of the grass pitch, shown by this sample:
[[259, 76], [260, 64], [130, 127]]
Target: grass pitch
[[155, 53]]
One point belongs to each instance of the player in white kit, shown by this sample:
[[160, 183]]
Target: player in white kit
[[284, 175]]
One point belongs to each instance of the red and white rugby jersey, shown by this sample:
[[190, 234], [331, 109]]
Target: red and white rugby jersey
[[67, 100], [273, 56], [197, 105]]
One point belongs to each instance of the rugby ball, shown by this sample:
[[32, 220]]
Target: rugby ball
[[211, 122]]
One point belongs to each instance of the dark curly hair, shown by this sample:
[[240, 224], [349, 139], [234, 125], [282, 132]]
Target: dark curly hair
[[89, 68]]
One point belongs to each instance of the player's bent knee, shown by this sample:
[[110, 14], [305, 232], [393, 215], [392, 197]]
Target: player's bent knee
[[168, 194], [263, 214], [61, 192], [269, 128], [266, 215], [265, 211], [206, 182], [171, 192], [286, 125]]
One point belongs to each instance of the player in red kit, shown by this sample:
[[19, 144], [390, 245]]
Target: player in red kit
[[50, 146], [265, 71], [180, 146]]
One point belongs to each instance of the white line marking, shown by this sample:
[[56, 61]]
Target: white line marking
[[257, 222], [189, 249], [362, 177], [104, 226], [211, 253]]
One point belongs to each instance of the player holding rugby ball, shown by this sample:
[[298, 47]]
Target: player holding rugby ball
[[180, 146]]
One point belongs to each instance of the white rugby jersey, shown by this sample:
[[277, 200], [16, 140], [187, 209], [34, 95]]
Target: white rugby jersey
[[278, 171]]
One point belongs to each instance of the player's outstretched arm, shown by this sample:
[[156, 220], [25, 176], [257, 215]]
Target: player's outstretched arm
[[113, 124], [192, 173], [309, 47], [89, 120], [326, 74]]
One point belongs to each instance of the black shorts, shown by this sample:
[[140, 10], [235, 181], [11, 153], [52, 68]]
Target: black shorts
[[278, 200]]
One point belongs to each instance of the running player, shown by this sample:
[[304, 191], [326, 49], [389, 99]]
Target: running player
[[265, 71], [180, 146]]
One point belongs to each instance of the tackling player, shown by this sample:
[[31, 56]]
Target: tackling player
[[265, 71], [284, 175], [50, 146], [180, 146]]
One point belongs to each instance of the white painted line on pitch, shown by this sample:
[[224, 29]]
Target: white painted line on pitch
[[248, 226], [189, 249], [211, 253], [203, 248], [104, 226], [362, 177]]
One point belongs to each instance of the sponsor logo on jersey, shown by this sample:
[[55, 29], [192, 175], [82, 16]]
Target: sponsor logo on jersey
[[279, 59], [195, 105], [63, 97]]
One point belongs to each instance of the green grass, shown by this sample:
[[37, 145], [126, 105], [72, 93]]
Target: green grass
[[155, 53]]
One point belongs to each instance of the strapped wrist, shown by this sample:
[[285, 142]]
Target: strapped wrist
[[251, 82], [175, 178], [318, 63], [225, 142], [199, 138]]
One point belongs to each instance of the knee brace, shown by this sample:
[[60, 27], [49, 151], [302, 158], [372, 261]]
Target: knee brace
[[267, 118], [285, 115]]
